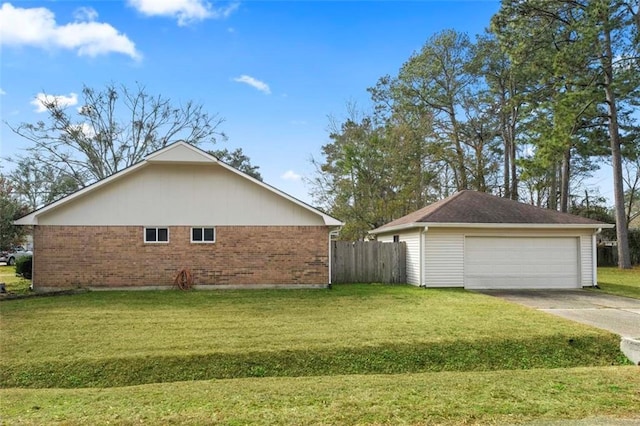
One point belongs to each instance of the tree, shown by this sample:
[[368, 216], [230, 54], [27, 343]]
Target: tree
[[10, 210], [237, 159], [436, 80], [350, 182], [590, 48], [40, 184], [505, 85], [113, 129]]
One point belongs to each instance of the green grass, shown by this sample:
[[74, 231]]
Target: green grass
[[357, 354], [503, 397], [622, 282], [127, 338], [14, 284]]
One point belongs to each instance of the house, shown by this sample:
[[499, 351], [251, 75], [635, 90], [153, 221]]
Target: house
[[179, 208], [479, 241]]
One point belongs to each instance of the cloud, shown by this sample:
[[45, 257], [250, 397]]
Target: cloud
[[2, 92], [85, 14], [185, 11], [255, 83], [64, 101], [37, 27], [291, 175]]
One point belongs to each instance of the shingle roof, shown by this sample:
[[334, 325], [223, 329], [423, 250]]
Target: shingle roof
[[481, 208]]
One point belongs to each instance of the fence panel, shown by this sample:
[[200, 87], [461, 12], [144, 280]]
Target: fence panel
[[368, 262]]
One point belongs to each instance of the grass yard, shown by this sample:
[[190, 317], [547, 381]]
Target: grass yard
[[497, 397], [16, 285], [355, 354], [623, 282]]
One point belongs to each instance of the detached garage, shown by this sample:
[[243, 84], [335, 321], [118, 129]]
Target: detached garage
[[479, 241]]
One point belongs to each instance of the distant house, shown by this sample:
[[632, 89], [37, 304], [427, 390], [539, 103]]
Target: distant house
[[179, 208], [479, 241]]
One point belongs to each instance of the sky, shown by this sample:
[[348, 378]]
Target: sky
[[274, 70]]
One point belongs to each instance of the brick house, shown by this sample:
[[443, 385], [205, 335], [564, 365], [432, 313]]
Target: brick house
[[179, 208]]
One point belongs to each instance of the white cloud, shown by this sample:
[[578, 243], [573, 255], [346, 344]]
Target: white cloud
[[291, 175], [255, 83], [85, 14], [2, 92], [37, 27], [64, 101], [185, 11]]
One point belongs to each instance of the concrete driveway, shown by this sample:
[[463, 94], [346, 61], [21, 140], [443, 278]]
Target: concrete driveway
[[617, 314]]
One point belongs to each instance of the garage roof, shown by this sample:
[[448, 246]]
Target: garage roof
[[479, 208]]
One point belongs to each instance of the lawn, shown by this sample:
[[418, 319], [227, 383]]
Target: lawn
[[354, 354], [623, 282], [14, 284], [497, 397]]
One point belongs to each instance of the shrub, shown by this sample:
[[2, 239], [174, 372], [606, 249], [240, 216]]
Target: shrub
[[24, 266]]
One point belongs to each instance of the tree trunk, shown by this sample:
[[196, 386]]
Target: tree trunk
[[564, 180], [553, 188], [461, 182], [624, 259], [514, 176]]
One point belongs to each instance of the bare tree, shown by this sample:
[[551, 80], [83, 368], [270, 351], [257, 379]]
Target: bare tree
[[114, 128]]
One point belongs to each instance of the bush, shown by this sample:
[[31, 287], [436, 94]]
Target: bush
[[24, 266]]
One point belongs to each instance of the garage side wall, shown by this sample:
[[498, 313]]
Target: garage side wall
[[444, 252], [413, 254], [116, 256]]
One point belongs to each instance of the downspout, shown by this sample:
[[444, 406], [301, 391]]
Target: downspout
[[594, 257], [331, 232], [422, 259]]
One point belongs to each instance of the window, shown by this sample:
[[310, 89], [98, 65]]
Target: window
[[203, 235], [156, 235], [396, 238]]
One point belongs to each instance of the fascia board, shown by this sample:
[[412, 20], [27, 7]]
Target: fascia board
[[491, 225]]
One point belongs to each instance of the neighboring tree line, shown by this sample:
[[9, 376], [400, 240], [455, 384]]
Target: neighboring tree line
[[527, 111]]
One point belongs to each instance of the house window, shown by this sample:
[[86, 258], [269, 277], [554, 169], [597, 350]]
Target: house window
[[156, 235], [396, 238], [203, 235]]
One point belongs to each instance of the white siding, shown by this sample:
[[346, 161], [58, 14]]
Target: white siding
[[444, 258], [411, 238], [181, 194], [443, 264], [385, 238], [586, 260], [412, 241]]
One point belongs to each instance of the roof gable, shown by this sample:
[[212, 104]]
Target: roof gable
[[179, 154], [476, 208]]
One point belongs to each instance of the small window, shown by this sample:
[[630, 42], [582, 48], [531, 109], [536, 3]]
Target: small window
[[203, 235], [396, 238], [156, 235]]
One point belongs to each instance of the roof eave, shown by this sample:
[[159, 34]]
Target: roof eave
[[32, 218], [491, 225]]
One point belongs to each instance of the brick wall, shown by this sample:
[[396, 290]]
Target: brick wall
[[116, 256]]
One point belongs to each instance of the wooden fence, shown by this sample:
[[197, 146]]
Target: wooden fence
[[368, 262]]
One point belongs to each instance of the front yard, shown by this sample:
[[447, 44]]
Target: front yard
[[354, 354]]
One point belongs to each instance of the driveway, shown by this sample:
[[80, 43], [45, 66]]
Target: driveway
[[617, 314]]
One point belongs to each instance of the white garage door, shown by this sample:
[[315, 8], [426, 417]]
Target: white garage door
[[503, 263]]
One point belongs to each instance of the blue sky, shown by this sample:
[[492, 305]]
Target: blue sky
[[274, 70]]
